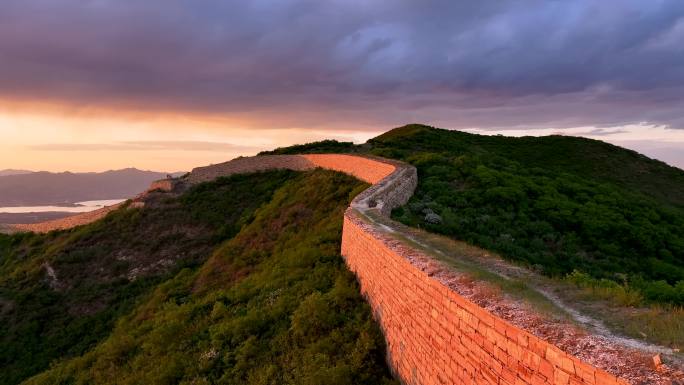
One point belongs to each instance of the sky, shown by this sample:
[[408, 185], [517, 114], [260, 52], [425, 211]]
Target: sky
[[91, 85]]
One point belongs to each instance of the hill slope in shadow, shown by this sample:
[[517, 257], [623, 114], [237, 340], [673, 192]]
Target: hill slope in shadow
[[236, 281]]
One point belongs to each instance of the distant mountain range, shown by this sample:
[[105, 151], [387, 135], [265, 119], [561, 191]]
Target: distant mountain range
[[26, 188]]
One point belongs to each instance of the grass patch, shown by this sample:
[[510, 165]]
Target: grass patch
[[657, 323]]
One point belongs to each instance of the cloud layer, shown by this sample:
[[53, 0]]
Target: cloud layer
[[488, 63], [146, 146]]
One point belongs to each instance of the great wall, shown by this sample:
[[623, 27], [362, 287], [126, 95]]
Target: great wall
[[440, 327]]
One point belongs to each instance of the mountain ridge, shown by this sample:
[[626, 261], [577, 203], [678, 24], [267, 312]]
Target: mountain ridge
[[11, 171], [49, 188]]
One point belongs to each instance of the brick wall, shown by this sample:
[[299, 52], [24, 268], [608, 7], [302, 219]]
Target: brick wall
[[366, 169], [435, 336]]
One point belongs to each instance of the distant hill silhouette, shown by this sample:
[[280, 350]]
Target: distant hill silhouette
[[46, 188], [13, 172]]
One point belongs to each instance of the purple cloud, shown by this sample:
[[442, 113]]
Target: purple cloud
[[453, 63]]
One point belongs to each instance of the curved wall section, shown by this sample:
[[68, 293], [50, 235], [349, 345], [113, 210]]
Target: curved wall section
[[367, 169]]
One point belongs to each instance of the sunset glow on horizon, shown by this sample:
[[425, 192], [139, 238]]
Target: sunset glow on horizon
[[87, 140], [98, 85], [95, 140]]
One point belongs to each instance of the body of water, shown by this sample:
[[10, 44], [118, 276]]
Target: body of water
[[79, 207]]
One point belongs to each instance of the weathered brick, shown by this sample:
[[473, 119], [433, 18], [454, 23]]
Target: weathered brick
[[546, 368], [604, 378], [560, 377], [538, 379], [586, 373]]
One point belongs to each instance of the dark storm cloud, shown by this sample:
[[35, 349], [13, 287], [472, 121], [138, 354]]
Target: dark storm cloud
[[456, 63]]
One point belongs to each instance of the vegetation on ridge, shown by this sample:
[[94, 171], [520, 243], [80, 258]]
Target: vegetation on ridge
[[560, 205], [324, 146]]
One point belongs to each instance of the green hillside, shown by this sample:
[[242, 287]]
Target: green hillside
[[239, 281], [563, 206], [556, 204], [324, 146], [582, 157]]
